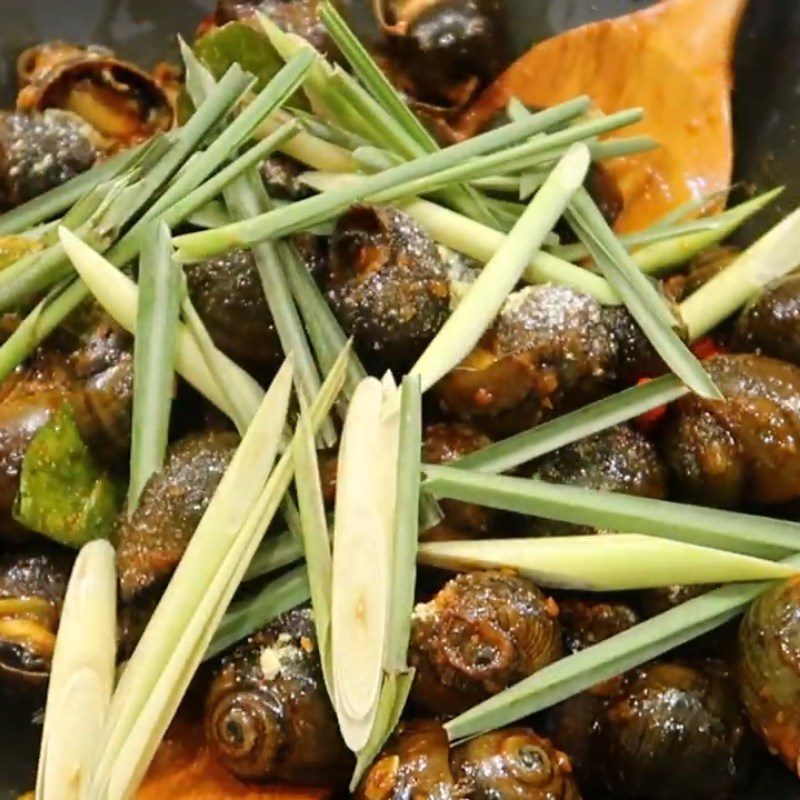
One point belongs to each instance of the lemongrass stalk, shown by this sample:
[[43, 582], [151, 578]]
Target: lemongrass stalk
[[606, 563], [277, 551], [187, 653], [81, 676], [707, 527], [609, 658], [660, 257], [482, 242], [773, 255], [153, 359], [329, 131], [486, 295], [282, 221], [524, 447], [226, 514], [211, 215], [645, 304], [119, 296], [691, 207], [247, 616]]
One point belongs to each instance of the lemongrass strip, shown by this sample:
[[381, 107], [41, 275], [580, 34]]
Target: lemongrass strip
[[658, 258], [694, 206], [640, 296], [226, 514], [773, 255], [153, 359], [707, 527], [523, 447], [607, 659], [482, 242], [486, 295], [605, 563], [81, 676], [277, 551], [212, 215], [285, 220], [119, 296], [247, 616], [188, 650]]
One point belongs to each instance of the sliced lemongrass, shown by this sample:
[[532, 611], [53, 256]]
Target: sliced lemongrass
[[313, 210], [612, 562], [153, 359], [773, 255], [707, 527], [119, 296], [245, 617], [523, 447], [481, 242], [190, 647], [640, 296], [695, 205], [211, 215], [316, 539], [406, 527], [660, 257], [328, 131], [607, 659], [277, 551], [483, 300], [361, 552], [226, 514], [81, 676]]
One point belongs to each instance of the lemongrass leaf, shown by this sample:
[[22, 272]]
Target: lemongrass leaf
[[277, 551], [153, 359], [602, 563], [486, 295], [708, 527], [609, 658], [523, 447]]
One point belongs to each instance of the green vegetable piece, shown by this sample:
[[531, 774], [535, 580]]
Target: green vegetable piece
[[63, 494]]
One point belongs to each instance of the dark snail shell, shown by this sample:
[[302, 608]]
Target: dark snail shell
[[40, 151], [153, 538], [228, 295], [280, 174], [444, 442], [770, 324], [548, 352], [483, 632], [619, 459], [588, 620], [665, 730], [387, 284], [769, 669], [744, 449], [267, 714], [122, 102], [32, 587], [509, 764]]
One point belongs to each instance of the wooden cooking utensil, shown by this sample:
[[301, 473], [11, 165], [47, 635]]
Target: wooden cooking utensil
[[674, 60]]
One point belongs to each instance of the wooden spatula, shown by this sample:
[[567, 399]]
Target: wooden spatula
[[674, 60]]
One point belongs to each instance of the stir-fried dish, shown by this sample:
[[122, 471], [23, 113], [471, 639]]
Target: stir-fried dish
[[390, 420]]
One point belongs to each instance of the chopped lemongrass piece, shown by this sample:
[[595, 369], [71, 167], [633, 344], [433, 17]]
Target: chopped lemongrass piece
[[277, 551], [523, 447], [482, 242], [773, 255], [707, 527], [244, 617], [282, 221], [607, 659], [484, 298], [362, 536], [211, 215], [640, 296], [187, 652], [662, 256], [316, 539], [119, 296], [611, 562], [153, 359], [184, 603], [81, 676]]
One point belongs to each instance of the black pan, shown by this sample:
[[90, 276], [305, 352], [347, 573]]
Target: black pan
[[767, 118]]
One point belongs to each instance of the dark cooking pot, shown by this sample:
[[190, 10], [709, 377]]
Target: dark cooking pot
[[767, 117]]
